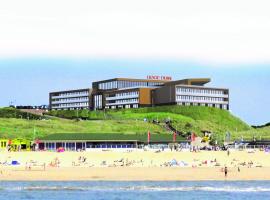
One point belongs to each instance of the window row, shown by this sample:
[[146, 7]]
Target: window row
[[72, 105], [84, 93], [221, 106], [126, 84], [127, 94], [71, 99], [108, 85], [98, 102], [123, 106], [194, 98], [126, 101], [200, 91]]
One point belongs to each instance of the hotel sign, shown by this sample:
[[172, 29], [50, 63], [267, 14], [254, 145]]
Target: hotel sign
[[161, 78]]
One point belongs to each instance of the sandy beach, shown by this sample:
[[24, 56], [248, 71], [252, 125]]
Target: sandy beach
[[134, 165]]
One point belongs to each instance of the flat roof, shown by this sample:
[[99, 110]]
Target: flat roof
[[202, 87], [190, 81], [76, 90], [133, 80], [108, 137], [74, 140]]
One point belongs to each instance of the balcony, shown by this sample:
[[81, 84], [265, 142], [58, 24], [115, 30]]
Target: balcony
[[202, 101], [70, 96], [122, 103], [197, 94], [122, 97], [70, 101], [75, 106]]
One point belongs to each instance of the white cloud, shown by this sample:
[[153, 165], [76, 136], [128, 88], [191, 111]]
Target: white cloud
[[208, 30]]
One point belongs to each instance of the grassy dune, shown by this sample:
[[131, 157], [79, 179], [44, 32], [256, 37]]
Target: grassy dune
[[129, 121], [183, 118], [12, 128]]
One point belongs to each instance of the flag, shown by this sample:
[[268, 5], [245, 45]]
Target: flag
[[174, 137], [37, 141], [193, 137], [148, 137]]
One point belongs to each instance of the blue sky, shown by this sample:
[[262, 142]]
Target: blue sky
[[45, 46], [29, 80]]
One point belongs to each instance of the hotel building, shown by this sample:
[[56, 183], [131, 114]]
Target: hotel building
[[134, 93], [72, 99]]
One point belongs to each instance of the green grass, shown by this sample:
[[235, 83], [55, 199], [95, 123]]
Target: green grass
[[130, 122], [13, 128], [15, 113], [258, 133], [186, 119]]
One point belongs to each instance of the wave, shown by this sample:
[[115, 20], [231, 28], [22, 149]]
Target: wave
[[201, 188], [229, 189]]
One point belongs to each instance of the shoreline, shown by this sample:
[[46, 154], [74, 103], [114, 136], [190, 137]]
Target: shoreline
[[136, 174]]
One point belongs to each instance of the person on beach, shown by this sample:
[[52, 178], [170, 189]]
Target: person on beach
[[226, 171]]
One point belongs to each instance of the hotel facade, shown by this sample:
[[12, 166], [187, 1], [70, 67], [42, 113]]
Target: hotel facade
[[128, 93]]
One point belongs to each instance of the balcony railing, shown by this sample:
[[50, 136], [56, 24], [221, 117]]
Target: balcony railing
[[202, 94], [75, 106], [122, 103], [70, 101], [70, 96], [201, 101], [122, 97]]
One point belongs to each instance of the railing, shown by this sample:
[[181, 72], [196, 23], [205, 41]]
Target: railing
[[122, 97], [70, 101], [201, 101], [202, 94], [76, 106], [122, 103], [70, 96]]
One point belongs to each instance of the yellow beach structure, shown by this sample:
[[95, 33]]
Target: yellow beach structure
[[17, 144], [4, 143]]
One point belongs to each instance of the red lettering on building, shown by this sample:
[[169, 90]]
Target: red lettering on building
[[163, 78]]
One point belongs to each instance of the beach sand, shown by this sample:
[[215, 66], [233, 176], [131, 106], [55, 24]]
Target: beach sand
[[137, 166]]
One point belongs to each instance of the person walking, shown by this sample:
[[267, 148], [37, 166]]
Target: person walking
[[226, 171]]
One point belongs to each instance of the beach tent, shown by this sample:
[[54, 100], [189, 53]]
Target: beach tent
[[173, 162], [183, 164], [15, 162]]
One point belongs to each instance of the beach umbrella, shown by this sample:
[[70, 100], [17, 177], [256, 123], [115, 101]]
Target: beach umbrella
[[174, 137], [148, 137]]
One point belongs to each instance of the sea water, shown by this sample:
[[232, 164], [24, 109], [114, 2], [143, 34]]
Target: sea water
[[135, 190]]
